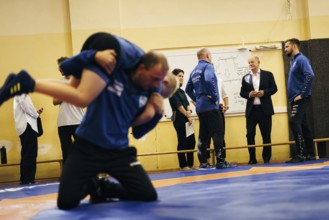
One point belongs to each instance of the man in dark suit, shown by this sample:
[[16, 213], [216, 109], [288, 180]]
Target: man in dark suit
[[257, 87]]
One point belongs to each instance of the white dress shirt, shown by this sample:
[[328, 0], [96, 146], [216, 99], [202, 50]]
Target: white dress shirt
[[255, 82], [69, 114], [221, 90], [24, 113]]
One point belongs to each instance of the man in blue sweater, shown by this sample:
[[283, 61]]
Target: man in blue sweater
[[202, 88], [115, 92], [300, 83]]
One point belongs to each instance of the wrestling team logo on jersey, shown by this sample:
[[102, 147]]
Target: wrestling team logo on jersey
[[142, 101], [196, 78], [117, 88]]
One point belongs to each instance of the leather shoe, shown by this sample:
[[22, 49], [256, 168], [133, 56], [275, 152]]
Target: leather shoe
[[252, 162], [26, 183]]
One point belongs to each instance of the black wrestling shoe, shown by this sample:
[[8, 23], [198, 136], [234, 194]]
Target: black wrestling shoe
[[9, 79], [310, 157], [95, 191], [296, 159], [21, 83], [206, 166], [229, 165], [224, 164], [101, 190]]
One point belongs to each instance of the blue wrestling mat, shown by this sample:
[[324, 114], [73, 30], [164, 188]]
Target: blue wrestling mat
[[276, 191]]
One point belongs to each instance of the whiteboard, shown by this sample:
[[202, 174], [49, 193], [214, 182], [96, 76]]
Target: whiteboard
[[230, 65]]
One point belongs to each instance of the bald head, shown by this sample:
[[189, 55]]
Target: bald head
[[169, 85], [204, 54]]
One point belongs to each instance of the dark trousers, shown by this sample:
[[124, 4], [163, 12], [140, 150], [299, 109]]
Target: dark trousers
[[258, 116], [224, 143], [29, 152], [300, 127], [211, 127], [184, 143], [66, 136], [87, 160]]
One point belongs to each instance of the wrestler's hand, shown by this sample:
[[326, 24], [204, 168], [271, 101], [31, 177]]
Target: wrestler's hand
[[157, 101], [299, 97], [223, 108], [106, 59], [40, 111]]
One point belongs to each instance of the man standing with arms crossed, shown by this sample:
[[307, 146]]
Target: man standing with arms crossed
[[300, 83]]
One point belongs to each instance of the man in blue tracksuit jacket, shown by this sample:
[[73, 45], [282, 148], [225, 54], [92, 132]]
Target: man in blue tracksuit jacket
[[202, 88], [300, 83]]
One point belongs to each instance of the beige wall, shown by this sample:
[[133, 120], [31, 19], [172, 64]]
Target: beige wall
[[318, 18], [35, 33]]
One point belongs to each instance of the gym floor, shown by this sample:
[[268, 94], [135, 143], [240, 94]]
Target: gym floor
[[272, 191]]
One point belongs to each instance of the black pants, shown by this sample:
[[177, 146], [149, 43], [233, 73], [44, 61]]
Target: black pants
[[211, 126], [300, 127], [87, 160], [29, 152], [258, 116], [184, 143], [66, 136], [224, 143]]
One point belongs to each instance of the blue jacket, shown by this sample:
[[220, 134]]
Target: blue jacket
[[201, 85], [110, 115], [300, 78]]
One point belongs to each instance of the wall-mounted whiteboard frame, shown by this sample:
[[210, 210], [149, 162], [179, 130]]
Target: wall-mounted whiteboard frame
[[230, 65]]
